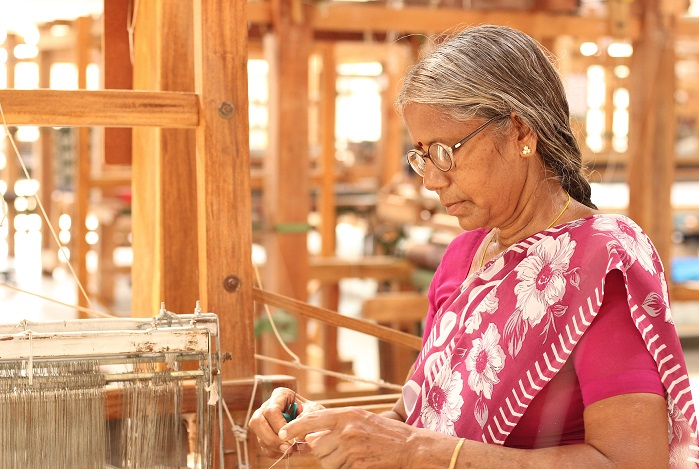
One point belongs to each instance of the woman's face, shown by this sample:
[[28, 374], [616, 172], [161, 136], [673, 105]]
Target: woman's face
[[484, 185]]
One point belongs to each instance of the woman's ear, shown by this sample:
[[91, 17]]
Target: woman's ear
[[525, 138]]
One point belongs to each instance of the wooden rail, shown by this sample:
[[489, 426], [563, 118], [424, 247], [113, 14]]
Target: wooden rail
[[333, 269], [111, 108], [332, 317], [236, 394], [681, 293]]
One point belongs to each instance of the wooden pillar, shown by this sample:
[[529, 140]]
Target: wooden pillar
[[287, 181], [652, 128], [223, 183], [164, 203], [12, 171], [392, 141], [46, 167], [118, 73], [223, 177], [328, 214], [82, 175]]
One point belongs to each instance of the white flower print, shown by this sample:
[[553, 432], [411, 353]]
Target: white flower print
[[666, 298], [541, 274], [630, 237], [489, 305], [442, 405], [674, 415], [484, 361]]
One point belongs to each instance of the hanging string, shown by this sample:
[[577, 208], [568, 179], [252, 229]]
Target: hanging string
[[241, 431], [296, 363], [30, 365], [271, 320], [357, 379], [287, 450], [89, 311], [61, 248]]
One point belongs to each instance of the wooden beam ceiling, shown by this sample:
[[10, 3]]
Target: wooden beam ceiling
[[347, 19]]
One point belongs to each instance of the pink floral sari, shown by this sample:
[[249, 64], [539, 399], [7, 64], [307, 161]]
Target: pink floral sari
[[534, 302]]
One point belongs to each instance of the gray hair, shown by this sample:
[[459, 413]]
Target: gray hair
[[487, 71]]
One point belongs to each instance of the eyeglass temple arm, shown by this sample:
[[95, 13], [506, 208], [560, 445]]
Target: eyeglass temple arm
[[472, 134]]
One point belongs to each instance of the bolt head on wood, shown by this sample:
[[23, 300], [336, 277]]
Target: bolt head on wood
[[231, 284], [226, 110]]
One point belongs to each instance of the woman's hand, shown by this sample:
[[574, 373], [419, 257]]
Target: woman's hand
[[353, 438], [269, 419]]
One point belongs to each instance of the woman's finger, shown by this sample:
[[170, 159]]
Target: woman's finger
[[312, 438], [309, 423]]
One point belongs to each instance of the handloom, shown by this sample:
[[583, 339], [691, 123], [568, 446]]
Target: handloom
[[109, 392]]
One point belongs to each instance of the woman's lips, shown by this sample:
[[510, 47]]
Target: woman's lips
[[452, 209]]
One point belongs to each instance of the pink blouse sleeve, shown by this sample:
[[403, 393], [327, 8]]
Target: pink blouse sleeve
[[611, 357]]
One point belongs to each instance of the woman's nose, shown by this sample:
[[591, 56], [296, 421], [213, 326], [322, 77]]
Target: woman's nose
[[434, 178]]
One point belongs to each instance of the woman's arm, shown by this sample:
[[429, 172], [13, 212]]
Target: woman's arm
[[623, 432], [398, 411]]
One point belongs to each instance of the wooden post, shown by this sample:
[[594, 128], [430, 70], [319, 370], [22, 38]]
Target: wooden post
[[82, 176], [223, 183], [164, 203], [652, 129], [118, 74], [328, 215], [619, 17], [287, 183], [46, 168], [392, 141], [12, 171]]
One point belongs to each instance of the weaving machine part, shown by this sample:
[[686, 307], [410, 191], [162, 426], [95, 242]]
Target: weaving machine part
[[113, 393]]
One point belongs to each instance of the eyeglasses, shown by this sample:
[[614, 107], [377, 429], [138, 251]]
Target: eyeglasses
[[442, 155]]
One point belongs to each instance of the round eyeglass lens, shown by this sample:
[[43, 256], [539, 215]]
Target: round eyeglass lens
[[441, 156], [417, 162]]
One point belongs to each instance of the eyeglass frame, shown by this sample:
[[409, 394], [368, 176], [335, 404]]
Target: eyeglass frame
[[449, 149]]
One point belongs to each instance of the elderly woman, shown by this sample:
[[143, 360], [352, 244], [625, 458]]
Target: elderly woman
[[549, 341]]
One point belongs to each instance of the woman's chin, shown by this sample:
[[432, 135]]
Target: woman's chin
[[468, 223]]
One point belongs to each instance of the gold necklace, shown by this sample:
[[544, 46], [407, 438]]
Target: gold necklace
[[485, 250]]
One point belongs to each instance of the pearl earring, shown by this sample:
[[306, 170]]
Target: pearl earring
[[526, 150]]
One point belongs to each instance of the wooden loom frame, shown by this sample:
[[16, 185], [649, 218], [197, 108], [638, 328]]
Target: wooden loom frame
[[222, 165]]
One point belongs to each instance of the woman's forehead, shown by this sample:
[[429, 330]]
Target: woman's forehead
[[419, 112], [428, 124]]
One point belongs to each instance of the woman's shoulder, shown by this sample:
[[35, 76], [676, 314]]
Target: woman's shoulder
[[601, 219], [604, 226], [613, 236]]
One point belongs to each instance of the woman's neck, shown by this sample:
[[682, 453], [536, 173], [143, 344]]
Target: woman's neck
[[548, 204]]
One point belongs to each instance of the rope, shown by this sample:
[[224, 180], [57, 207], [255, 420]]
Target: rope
[[89, 311], [240, 432], [271, 321], [296, 363], [61, 248], [381, 383], [284, 455]]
